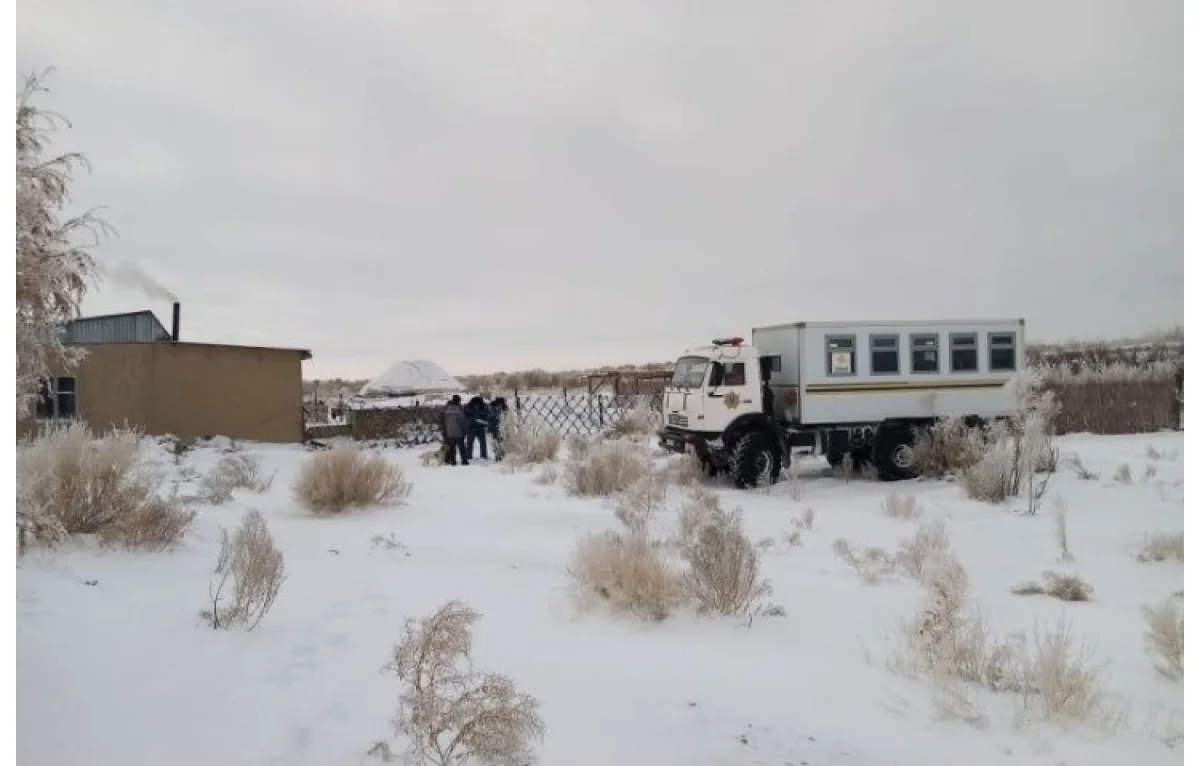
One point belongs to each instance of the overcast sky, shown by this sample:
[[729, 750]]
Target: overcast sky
[[502, 185]]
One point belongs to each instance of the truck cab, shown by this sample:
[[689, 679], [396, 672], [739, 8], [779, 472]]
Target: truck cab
[[715, 398]]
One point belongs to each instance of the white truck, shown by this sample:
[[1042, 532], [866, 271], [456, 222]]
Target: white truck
[[857, 389]]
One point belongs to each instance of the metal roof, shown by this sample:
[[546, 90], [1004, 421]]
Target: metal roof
[[134, 327]]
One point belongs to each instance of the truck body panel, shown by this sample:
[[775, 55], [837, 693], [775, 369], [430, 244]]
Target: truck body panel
[[832, 373]]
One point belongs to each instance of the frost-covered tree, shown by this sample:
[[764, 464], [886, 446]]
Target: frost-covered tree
[[54, 266]]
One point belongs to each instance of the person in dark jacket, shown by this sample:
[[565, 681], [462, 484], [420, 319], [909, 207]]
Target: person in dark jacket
[[454, 430], [477, 423], [497, 409]]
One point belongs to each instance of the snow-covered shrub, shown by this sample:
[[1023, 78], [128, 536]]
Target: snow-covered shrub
[[1162, 547], [639, 420], [870, 564], [71, 482], [547, 476], [628, 573], [1061, 684], [528, 440], [922, 552], [1164, 637], [947, 448], [897, 506], [240, 470], [330, 482], [1073, 463], [450, 713], [685, 470], [994, 476], [848, 470], [1123, 474], [723, 574], [1066, 587], [607, 468], [249, 574], [699, 508], [638, 503], [944, 641]]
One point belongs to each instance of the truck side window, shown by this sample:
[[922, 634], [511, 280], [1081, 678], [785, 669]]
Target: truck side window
[[885, 354], [925, 354], [735, 373], [717, 376], [964, 352], [1002, 352], [839, 355]]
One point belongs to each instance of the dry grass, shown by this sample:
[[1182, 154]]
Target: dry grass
[[903, 507], [637, 504], [1060, 532], [799, 526], [1162, 547], [1149, 474], [1074, 464], [1123, 474], [607, 468], [450, 713], [547, 476], [1164, 637], [1062, 685], [700, 508], [528, 440], [240, 470], [847, 471], [629, 574], [638, 421], [1062, 587], [946, 643], [723, 574], [871, 565], [250, 573], [332, 482], [1054, 675], [947, 448], [71, 482], [920, 554], [685, 471]]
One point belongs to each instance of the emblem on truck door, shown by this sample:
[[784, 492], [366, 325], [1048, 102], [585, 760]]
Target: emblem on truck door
[[732, 400]]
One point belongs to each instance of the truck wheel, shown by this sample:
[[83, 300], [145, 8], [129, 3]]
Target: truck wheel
[[756, 460], [894, 454]]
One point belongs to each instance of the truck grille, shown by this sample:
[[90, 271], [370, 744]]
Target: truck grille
[[677, 420]]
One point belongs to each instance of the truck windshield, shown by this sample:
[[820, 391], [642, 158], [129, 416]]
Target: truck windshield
[[689, 372]]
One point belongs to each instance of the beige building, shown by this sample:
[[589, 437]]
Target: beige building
[[137, 374]]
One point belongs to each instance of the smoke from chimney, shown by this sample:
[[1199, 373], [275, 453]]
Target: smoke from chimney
[[129, 275]]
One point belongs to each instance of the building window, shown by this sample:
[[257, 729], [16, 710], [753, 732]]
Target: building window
[[839, 355], [964, 352], [1002, 352], [56, 399], [885, 354], [925, 354]]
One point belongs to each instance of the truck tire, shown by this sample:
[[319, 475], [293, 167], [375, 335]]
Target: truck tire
[[894, 456], [756, 460]]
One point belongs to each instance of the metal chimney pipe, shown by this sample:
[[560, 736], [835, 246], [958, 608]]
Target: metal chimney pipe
[[175, 322]]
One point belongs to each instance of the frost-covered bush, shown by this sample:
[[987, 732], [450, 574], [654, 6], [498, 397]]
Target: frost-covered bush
[[607, 468], [72, 482], [451, 713], [331, 482], [249, 574], [240, 470]]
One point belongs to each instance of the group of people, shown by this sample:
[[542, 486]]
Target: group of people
[[465, 425]]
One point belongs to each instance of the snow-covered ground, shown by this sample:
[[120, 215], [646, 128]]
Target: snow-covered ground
[[115, 668]]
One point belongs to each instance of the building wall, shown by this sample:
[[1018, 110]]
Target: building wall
[[191, 390]]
